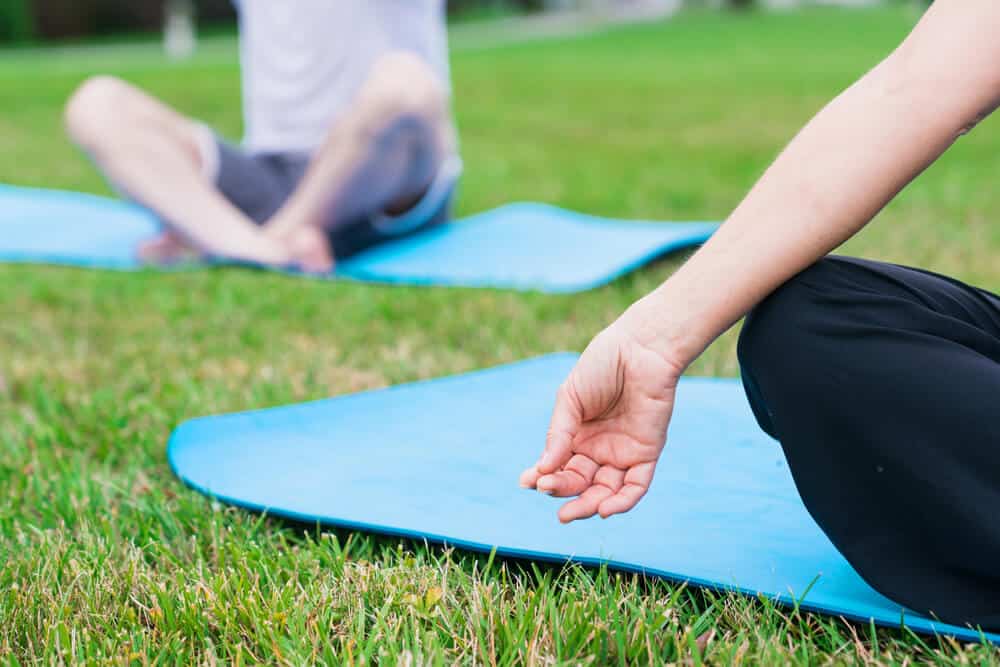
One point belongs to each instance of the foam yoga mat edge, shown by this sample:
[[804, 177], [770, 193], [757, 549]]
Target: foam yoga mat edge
[[522, 246], [646, 241], [723, 512]]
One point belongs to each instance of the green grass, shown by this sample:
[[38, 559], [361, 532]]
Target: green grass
[[105, 557]]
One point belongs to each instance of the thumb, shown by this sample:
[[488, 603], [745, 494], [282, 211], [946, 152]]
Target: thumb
[[563, 427]]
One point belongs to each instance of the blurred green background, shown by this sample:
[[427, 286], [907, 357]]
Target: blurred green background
[[45, 20]]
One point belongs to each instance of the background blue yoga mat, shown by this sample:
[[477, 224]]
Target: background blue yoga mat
[[439, 460], [518, 246]]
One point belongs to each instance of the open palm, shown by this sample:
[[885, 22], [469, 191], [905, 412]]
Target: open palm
[[608, 428]]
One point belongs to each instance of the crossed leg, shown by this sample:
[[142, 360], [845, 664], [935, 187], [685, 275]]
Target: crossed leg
[[380, 156], [151, 153], [882, 384]]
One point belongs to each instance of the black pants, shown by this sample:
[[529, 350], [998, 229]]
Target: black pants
[[882, 384]]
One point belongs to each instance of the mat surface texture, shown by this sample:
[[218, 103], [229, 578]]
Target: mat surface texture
[[439, 460]]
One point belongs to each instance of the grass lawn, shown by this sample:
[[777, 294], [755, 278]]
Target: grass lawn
[[106, 557]]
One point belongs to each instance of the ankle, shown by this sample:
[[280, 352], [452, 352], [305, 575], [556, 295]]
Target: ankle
[[309, 249], [283, 225]]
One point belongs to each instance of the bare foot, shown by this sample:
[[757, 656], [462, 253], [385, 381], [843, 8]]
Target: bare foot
[[167, 248], [309, 249]]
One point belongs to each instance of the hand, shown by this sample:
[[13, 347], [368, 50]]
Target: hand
[[608, 428]]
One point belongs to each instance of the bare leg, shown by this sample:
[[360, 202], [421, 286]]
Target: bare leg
[[151, 152], [381, 156]]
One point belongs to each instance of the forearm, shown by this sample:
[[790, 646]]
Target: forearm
[[834, 177]]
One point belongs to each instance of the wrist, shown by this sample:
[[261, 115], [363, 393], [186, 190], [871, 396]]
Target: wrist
[[668, 326]]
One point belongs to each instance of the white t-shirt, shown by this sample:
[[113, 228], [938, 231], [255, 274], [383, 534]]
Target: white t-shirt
[[305, 60]]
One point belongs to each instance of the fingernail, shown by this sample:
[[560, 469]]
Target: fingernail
[[544, 461]]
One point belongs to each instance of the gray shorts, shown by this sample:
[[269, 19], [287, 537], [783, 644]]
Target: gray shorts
[[259, 184]]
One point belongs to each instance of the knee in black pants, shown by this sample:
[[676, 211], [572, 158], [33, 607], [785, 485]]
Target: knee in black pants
[[880, 383], [779, 342]]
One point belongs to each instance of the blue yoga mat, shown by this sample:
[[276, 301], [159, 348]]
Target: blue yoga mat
[[519, 246], [439, 460]]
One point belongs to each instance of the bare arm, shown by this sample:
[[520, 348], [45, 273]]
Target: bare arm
[[612, 413], [836, 175]]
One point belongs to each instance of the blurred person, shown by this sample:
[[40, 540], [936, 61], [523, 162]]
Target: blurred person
[[881, 382], [348, 139]]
